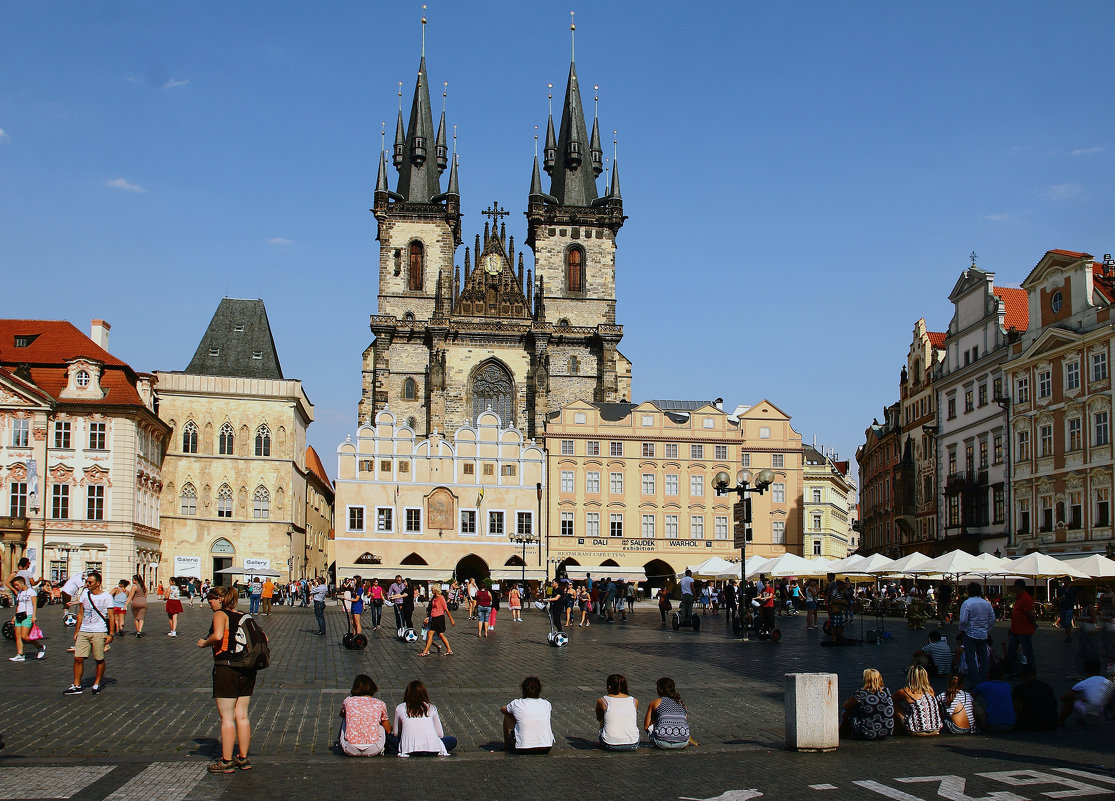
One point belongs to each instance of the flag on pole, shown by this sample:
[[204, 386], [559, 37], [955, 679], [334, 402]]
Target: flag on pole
[[479, 497]]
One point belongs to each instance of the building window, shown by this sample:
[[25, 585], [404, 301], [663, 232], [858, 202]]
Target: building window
[[575, 270], [18, 499], [95, 502], [648, 483], [696, 451], [385, 520], [648, 419], [696, 485], [1045, 440], [592, 482], [224, 501], [1103, 507], [1102, 428], [225, 441], [385, 465], [1045, 384], [21, 433], [969, 403], [574, 365], [721, 452], [671, 483], [97, 436], [745, 459], [507, 470], [696, 527], [615, 524], [647, 530], [566, 480], [764, 432], [1076, 438], [951, 407], [615, 483], [1023, 446], [404, 467], [356, 518], [592, 524], [189, 438], [412, 521], [1045, 509], [816, 522], [189, 500], [778, 493], [997, 388], [982, 394], [567, 447], [468, 521], [671, 451], [648, 450], [489, 469], [998, 504], [410, 389], [983, 454], [720, 527], [615, 449], [778, 532], [580, 417], [671, 527], [416, 266], [1076, 509], [61, 434], [592, 448], [263, 441], [997, 448], [1072, 375], [952, 460], [524, 523], [954, 511], [261, 504], [1024, 516], [567, 524], [1023, 390], [468, 469], [816, 495], [816, 547], [1099, 366], [778, 460]]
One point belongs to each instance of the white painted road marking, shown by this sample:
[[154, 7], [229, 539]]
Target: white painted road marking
[[730, 795], [822, 787], [889, 792], [952, 788], [1028, 778], [16, 783], [166, 781]]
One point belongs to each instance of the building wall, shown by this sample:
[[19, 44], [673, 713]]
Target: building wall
[[879, 459], [189, 540], [827, 493]]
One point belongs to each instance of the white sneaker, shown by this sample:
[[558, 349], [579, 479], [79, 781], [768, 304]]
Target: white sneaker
[[18, 658], [172, 634], [42, 652]]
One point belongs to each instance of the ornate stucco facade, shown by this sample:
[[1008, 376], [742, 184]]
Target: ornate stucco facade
[[828, 498]]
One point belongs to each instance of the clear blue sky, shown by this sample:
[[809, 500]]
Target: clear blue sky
[[804, 180]]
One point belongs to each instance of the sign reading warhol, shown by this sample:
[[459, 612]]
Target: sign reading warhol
[[187, 566], [256, 564]]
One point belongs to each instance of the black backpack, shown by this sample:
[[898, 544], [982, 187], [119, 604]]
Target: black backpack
[[247, 643]]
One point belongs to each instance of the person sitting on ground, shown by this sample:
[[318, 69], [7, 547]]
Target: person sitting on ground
[[935, 656], [418, 726], [365, 724], [995, 709], [1087, 697], [1035, 704], [957, 708], [526, 721], [869, 713], [667, 719], [617, 713], [916, 706]]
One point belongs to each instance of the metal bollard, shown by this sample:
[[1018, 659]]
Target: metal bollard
[[812, 711]]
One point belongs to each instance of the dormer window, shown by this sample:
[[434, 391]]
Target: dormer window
[[257, 354], [82, 378], [213, 352], [25, 341], [239, 329]]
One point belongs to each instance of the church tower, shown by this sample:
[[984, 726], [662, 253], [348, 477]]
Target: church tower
[[451, 343]]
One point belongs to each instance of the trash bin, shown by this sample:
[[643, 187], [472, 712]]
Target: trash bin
[[812, 711]]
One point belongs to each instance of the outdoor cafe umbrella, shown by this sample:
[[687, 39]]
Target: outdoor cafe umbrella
[[755, 565], [263, 571], [952, 563], [1096, 566], [901, 567], [788, 564], [874, 565], [1040, 565], [712, 568]]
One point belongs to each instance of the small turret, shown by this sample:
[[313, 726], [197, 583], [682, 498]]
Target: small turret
[[549, 152], [613, 190], [400, 134], [595, 152], [441, 150], [454, 189], [535, 181]]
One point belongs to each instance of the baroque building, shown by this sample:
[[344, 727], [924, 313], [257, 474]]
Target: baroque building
[[915, 483], [81, 454], [523, 340], [236, 473], [880, 471], [828, 506]]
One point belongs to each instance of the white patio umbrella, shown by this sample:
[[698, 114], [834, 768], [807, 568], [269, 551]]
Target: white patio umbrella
[[900, 567], [1041, 565], [755, 565], [712, 568], [874, 565], [819, 567], [848, 565], [952, 563], [788, 564], [1096, 566]]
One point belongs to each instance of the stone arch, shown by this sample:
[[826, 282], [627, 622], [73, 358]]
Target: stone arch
[[413, 559], [659, 574], [492, 384], [472, 567], [514, 561], [609, 563], [575, 269]]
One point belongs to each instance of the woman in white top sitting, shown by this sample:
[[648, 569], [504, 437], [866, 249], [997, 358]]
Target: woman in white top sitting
[[526, 721], [618, 715], [418, 727]]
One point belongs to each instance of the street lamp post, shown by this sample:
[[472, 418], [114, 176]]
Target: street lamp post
[[746, 484]]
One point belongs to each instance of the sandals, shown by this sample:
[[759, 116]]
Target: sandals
[[423, 653], [448, 653]]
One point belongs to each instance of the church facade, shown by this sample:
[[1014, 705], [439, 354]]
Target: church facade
[[452, 341]]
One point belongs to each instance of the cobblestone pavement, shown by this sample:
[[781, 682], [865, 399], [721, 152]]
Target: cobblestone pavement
[[149, 734]]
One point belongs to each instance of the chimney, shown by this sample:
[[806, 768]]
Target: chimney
[[98, 332], [719, 404]]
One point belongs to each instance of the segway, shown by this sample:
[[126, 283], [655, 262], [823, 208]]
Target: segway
[[558, 639], [353, 641], [406, 634], [677, 622], [9, 630]]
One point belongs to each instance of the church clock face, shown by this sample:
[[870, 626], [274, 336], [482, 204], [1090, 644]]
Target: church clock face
[[493, 265]]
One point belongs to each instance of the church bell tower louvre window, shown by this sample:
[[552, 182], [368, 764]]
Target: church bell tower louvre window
[[416, 267], [575, 270]]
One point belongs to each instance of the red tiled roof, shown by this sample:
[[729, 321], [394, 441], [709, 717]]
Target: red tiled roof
[[1070, 253], [1017, 307], [314, 465], [1102, 282], [936, 338]]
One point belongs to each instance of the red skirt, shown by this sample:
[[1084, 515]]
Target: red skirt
[[173, 607]]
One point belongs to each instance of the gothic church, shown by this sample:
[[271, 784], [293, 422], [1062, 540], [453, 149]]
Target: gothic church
[[451, 342]]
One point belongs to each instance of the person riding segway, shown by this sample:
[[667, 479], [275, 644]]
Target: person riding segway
[[684, 616]]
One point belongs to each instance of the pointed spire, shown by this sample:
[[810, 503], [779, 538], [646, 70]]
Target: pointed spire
[[613, 189], [521, 272], [549, 153], [530, 289], [419, 176], [502, 233], [595, 150], [381, 175], [441, 150], [457, 282], [454, 189], [573, 182], [476, 247], [400, 133], [511, 250], [535, 180], [468, 264], [487, 232]]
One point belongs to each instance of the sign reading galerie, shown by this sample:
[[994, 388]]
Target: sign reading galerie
[[187, 566], [257, 564]]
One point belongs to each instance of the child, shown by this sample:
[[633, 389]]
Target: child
[[24, 619], [119, 605], [365, 722]]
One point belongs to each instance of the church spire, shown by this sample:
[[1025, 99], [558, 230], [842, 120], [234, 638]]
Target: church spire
[[595, 150], [549, 153], [573, 182], [613, 190], [400, 133], [381, 175], [442, 150], [419, 178]]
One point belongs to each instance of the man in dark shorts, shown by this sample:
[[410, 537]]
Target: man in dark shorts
[[232, 687]]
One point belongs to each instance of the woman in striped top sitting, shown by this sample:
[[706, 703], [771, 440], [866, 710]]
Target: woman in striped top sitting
[[667, 719]]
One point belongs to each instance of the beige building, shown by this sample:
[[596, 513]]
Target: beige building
[[235, 473], [313, 548], [467, 505], [81, 454], [631, 485], [828, 501]]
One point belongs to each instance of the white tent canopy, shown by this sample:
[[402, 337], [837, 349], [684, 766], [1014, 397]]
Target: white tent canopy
[[712, 568], [788, 564], [952, 563], [907, 563], [1096, 566], [1040, 565], [756, 564], [874, 565]]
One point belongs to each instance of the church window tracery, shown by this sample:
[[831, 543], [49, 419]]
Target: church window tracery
[[189, 437], [575, 270], [492, 387], [416, 267], [410, 389], [225, 441], [263, 441]]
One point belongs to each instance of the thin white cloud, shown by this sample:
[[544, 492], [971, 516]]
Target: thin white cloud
[[1004, 217], [1086, 151], [280, 242], [1062, 192], [4, 136], [171, 83], [123, 183]]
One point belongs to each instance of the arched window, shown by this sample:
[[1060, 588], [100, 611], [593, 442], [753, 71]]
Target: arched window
[[261, 505], [224, 501], [492, 387], [189, 500], [225, 440], [263, 441], [574, 365], [410, 389], [416, 267], [189, 437], [575, 270]]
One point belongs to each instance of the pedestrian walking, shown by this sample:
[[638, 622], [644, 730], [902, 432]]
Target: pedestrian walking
[[435, 623], [173, 606], [137, 599], [977, 616], [1023, 624], [319, 593], [255, 595], [232, 687], [93, 632], [515, 604], [119, 606], [267, 593], [25, 614]]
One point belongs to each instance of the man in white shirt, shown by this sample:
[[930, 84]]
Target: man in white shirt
[[93, 635], [318, 593], [395, 595], [526, 721], [686, 596], [977, 617]]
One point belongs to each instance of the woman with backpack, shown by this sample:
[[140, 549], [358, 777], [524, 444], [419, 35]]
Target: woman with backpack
[[232, 687]]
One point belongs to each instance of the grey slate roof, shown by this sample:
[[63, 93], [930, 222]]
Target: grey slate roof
[[680, 405], [573, 186], [613, 412], [237, 343], [420, 180]]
